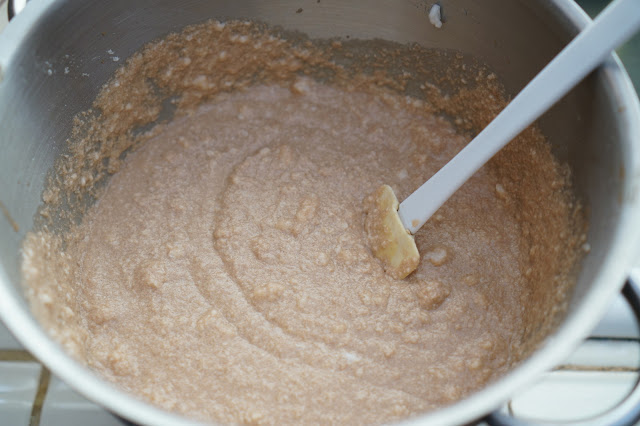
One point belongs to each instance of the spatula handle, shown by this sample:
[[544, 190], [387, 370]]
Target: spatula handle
[[617, 23]]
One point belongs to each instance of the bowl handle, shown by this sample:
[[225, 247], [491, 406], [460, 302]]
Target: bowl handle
[[625, 413]]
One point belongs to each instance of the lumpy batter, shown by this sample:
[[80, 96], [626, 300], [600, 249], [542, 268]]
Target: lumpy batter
[[225, 271]]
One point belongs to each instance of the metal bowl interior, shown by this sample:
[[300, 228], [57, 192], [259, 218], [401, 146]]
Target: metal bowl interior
[[592, 129]]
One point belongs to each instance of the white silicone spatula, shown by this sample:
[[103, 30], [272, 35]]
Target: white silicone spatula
[[618, 22]]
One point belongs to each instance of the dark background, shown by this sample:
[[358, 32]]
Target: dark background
[[630, 52]]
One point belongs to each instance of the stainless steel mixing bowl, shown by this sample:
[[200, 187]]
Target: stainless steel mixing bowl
[[595, 129]]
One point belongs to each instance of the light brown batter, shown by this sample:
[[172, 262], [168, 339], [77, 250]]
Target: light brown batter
[[225, 273]]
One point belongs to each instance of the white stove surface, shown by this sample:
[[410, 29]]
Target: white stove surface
[[598, 376]]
